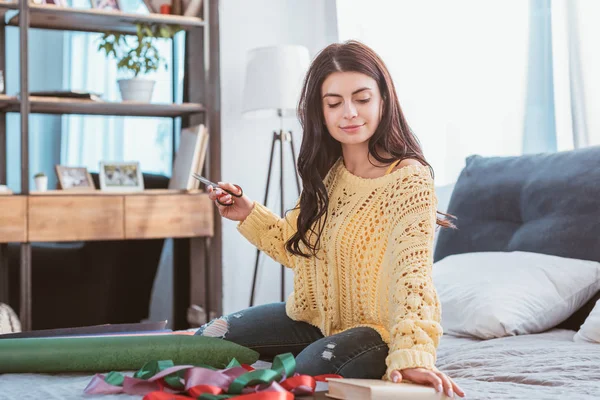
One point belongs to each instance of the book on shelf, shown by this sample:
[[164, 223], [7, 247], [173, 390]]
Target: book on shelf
[[189, 158], [376, 389], [67, 94]]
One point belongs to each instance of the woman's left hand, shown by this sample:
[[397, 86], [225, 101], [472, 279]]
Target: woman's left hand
[[424, 376]]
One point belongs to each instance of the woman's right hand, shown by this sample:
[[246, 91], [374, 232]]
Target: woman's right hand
[[241, 208]]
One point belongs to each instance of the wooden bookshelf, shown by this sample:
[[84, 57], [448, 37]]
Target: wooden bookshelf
[[66, 216], [93, 20], [56, 105], [13, 218], [63, 215]]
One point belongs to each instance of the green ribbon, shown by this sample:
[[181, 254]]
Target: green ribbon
[[233, 363], [152, 368], [114, 378], [283, 365]]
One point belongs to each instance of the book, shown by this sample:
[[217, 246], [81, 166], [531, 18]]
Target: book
[[189, 158], [67, 94], [199, 166], [376, 389]]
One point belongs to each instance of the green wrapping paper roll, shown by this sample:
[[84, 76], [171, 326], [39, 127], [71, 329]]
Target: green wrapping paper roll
[[116, 353]]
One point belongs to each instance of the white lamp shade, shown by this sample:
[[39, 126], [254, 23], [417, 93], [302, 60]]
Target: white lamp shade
[[274, 77]]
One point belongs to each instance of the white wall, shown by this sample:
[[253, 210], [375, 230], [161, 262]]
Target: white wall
[[246, 142]]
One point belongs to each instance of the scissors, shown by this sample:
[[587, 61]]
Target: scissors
[[214, 185]]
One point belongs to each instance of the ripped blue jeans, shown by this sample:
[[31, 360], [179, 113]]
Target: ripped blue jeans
[[355, 353]]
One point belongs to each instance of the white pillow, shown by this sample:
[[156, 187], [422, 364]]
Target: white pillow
[[496, 294], [590, 330]]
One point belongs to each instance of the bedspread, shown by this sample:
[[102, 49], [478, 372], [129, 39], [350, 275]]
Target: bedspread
[[541, 366]]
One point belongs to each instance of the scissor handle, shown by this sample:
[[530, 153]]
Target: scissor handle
[[238, 195]]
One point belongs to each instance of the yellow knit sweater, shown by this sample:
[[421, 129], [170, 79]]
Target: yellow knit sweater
[[374, 265]]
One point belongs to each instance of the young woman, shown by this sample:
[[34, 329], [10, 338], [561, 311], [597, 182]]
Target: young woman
[[360, 241]]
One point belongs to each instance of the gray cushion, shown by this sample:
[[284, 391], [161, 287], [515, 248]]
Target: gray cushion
[[542, 203]]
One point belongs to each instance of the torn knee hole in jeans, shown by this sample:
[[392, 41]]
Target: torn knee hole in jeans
[[328, 352], [217, 328]]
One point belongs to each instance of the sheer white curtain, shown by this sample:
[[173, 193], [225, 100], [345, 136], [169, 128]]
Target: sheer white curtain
[[87, 140], [459, 68], [576, 44]]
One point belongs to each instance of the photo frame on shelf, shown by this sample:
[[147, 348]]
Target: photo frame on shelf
[[58, 3], [106, 5], [121, 177], [135, 7], [189, 158], [74, 178], [5, 190]]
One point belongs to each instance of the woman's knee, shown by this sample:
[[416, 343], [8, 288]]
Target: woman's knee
[[234, 327], [217, 328], [355, 353]]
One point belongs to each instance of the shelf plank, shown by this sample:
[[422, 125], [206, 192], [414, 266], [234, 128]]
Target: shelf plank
[[8, 5], [55, 105], [173, 216], [74, 218], [13, 218], [52, 217], [98, 192], [94, 20]]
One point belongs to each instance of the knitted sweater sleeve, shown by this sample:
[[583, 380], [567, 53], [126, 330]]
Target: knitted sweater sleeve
[[413, 311], [269, 233]]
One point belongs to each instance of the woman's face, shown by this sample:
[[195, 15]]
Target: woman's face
[[352, 106]]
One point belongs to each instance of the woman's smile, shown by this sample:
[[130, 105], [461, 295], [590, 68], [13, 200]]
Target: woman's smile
[[351, 128]]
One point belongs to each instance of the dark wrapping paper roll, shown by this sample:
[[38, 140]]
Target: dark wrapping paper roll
[[116, 353]]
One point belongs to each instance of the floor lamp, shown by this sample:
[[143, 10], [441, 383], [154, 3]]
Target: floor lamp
[[274, 77]]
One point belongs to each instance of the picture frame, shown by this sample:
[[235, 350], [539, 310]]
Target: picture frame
[[136, 7], [107, 5], [121, 177], [58, 3], [74, 178]]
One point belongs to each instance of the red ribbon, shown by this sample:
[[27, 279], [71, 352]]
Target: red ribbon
[[252, 396], [196, 391]]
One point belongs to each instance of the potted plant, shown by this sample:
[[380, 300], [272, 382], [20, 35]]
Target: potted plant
[[41, 182], [137, 55]]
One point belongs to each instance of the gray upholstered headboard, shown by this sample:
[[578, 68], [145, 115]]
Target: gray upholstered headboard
[[542, 203]]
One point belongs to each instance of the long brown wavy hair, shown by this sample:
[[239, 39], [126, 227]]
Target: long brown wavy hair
[[319, 150]]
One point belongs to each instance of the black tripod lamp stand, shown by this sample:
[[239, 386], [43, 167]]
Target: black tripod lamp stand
[[272, 87], [278, 138]]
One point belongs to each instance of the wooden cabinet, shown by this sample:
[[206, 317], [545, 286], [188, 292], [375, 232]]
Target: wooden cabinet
[[170, 215], [72, 218], [58, 216], [13, 218]]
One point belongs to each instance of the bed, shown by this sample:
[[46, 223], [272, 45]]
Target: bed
[[547, 365], [534, 218], [527, 208]]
